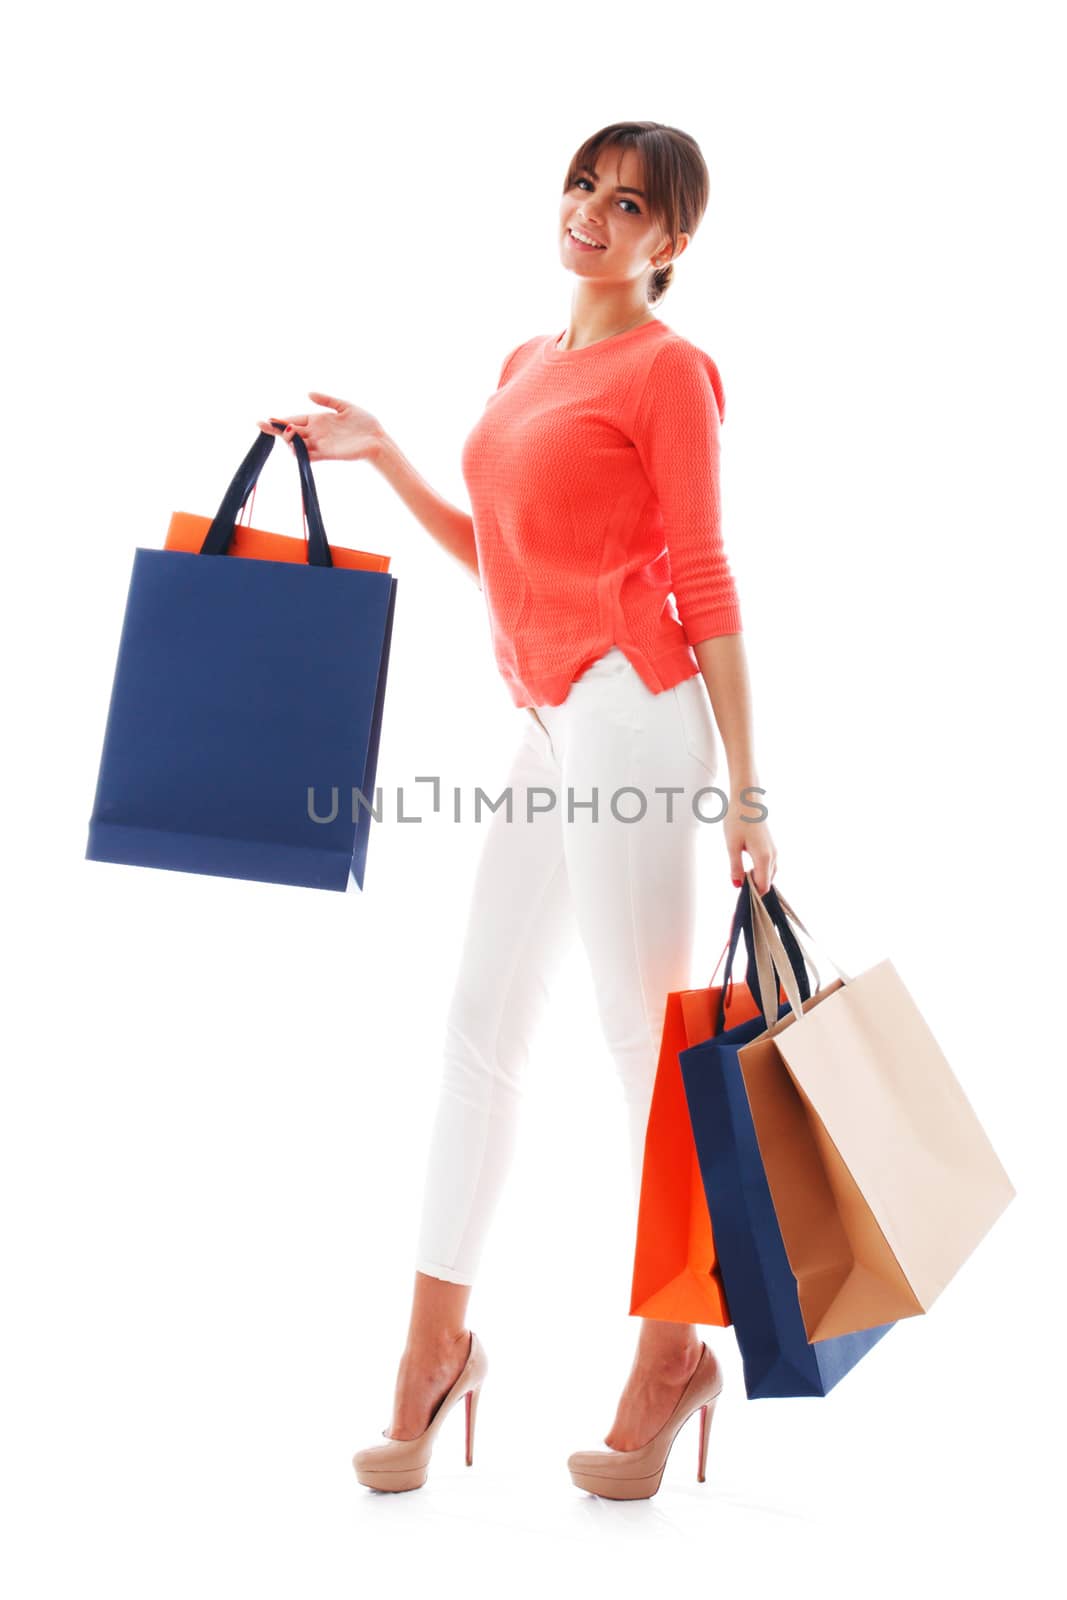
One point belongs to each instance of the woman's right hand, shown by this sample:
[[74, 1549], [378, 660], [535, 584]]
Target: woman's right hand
[[343, 433]]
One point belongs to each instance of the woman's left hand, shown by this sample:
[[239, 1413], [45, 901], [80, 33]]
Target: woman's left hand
[[742, 833]]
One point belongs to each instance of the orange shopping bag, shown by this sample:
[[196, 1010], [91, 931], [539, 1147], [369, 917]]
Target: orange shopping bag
[[676, 1276]]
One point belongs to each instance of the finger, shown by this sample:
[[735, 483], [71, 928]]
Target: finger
[[287, 429], [321, 399], [764, 871]]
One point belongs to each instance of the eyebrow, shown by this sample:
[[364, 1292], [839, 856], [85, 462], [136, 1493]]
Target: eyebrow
[[619, 188]]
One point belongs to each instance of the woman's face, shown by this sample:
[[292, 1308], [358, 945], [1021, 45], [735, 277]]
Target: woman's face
[[609, 207]]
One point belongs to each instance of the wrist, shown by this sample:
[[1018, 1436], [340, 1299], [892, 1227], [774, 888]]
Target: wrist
[[383, 452]]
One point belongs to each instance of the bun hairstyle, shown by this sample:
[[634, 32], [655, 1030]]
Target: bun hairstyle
[[676, 180]]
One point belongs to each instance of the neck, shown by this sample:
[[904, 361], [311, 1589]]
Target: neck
[[600, 317]]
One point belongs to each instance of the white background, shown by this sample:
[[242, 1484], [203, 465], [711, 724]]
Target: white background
[[217, 1094]]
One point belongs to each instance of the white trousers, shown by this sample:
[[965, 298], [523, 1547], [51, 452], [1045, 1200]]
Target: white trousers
[[592, 836]]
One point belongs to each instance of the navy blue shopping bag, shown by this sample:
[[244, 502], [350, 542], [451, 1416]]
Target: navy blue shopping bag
[[759, 1285], [246, 709]]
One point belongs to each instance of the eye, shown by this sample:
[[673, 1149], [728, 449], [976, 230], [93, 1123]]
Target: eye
[[635, 210]]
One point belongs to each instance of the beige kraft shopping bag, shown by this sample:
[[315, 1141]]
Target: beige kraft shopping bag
[[883, 1180]]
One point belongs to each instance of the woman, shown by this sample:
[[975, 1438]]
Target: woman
[[593, 477]]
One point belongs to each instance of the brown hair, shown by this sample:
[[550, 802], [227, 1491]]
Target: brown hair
[[676, 179]]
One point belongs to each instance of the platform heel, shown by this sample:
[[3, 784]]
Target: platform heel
[[404, 1463]]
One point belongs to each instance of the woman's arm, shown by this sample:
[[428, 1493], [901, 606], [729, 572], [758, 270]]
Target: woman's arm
[[725, 670], [346, 432], [452, 528], [676, 431]]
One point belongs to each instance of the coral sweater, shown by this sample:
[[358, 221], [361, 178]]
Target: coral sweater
[[593, 477]]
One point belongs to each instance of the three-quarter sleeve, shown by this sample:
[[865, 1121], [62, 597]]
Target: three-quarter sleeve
[[676, 433]]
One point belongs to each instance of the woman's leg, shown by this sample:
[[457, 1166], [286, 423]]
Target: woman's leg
[[518, 919], [633, 882], [434, 1355], [633, 891], [517, 924]]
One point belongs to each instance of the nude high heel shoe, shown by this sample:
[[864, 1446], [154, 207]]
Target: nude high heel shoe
[[403, 1463], [636, 1474]]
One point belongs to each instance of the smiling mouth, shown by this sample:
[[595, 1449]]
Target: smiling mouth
[[582, 244]]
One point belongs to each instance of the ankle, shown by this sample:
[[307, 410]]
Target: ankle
[[668, 1362], [436, 1348]]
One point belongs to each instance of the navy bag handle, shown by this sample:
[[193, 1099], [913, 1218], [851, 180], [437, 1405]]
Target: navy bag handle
[[217, 539], [792, 949], [742, 924]]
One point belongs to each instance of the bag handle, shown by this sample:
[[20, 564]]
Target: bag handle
[[794, 922], [781, 911], [772, 961], [736, 927], [760, 976], [217, 540], [742, 924]]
